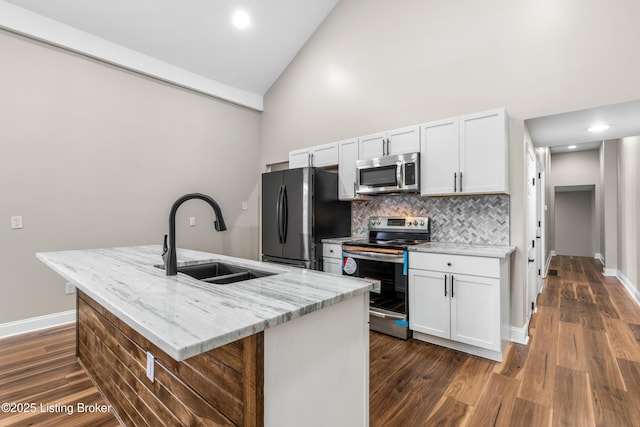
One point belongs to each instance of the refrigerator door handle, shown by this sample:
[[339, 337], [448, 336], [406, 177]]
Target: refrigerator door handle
[[279, 214], [285, 214]]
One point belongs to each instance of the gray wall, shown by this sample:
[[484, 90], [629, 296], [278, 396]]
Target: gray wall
[[376, 65], [629, 209], [94, 156], [574, 216]]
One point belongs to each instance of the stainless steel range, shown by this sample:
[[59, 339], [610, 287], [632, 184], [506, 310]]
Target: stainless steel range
[[383, 258]]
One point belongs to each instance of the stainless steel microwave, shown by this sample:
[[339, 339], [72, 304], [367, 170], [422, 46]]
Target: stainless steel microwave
[[389, 174]]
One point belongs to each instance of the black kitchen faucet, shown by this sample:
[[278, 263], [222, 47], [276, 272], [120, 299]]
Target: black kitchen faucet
[[169, 250]]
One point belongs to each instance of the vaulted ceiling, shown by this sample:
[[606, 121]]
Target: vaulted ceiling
[[195, 36]]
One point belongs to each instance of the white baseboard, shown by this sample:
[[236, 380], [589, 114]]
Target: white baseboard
[[633, 291], [599, 257], [547, 263], [610, 272], [36, 323], [520, 335]]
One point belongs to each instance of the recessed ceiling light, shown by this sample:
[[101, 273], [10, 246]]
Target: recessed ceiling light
[[572, 147], [241, 19], [598, 127]]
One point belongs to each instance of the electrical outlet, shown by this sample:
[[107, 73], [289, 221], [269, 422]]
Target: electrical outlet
[[16, 222], [150, 366], [244, 206], [192, 221], [70, 289]]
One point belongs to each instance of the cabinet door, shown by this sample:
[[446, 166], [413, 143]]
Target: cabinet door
[[372, 146], [429, 306], [348, 154], [439, 157], [404, 140], [299, 158], [484, 152], [325, 155], [333, 265], [475, 311]]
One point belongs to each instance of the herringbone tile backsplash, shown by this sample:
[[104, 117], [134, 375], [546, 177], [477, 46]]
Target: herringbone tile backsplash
[[465, 219]]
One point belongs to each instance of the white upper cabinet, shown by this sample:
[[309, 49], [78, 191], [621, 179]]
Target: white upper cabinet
[[483, 152], [465, 155], [299, 158], [318, 156], [403, 140], [397, 141], [347, 156], [439, 157]]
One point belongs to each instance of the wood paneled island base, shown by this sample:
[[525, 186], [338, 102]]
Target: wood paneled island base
[[223, 386]]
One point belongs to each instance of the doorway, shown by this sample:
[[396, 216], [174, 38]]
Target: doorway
[[574, 220]]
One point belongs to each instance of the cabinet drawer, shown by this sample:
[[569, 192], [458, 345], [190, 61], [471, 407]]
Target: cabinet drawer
[[460, 264], [330, 250]]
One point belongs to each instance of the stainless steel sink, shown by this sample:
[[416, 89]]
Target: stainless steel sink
[[220, 273]]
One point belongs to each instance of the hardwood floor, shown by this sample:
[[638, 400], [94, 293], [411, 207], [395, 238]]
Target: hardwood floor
[[581, 368], [40, 370]]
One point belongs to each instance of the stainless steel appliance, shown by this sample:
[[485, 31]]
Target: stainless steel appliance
[[389, 174], [383, 258], [300, 207]]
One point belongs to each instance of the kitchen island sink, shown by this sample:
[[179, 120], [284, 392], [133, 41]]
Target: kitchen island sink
[[275, 350], [219, 273]]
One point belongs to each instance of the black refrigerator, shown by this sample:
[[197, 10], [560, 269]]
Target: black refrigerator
[[300, 207]]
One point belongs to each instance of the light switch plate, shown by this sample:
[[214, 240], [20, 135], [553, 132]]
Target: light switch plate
[[150, 366], [16, 222], [70, 289]]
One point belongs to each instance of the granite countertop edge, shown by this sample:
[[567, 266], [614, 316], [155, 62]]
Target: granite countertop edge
[[185, 317], [489, 251]]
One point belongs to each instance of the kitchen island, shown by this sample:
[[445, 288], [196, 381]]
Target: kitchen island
[[286, 349]]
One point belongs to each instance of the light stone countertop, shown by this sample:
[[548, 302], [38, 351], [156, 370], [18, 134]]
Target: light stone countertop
[[186, 317], [489, 251]]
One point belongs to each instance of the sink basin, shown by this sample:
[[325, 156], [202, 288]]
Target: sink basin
[[220, 273]]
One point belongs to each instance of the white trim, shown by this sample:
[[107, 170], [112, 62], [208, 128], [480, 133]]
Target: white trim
[[547, 264], [36, 323], [520, 335], [610, 272], [38, 27], [635, 294], [599, 257], [466, 348]]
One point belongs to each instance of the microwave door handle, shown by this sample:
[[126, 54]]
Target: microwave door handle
[[399, 175]]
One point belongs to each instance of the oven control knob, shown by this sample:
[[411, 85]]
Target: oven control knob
[[378, 222], [415, 222], [421, 222]]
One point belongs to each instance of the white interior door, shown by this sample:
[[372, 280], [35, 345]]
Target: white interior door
[[540, 243], [532, 226]]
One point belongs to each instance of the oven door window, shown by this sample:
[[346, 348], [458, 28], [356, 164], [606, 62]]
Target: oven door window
[[380, 176], [393, 283]]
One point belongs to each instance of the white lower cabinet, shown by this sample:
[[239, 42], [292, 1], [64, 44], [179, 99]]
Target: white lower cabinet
[[332, 258], [451, 306]]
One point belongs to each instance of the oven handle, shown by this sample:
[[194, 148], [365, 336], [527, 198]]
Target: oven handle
[[374, 256], [386, 315]]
